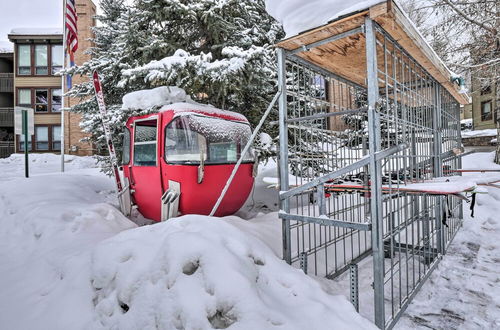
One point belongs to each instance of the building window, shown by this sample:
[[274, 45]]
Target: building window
[[24, 97], [41, 60], [57, 58], [42, 138], [46, 138], [486, 90], [46, 100], [486, 111], [56, 100], [21, 143], [24, 60], [56, 138], [41, 100]]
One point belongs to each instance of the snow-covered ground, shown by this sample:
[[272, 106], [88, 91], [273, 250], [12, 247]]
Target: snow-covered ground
[[464, 291], [467, 121], [13, 167], [70, 260], [478, 133]]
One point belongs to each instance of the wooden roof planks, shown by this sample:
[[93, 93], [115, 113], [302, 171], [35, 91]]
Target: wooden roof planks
[[346, 57]]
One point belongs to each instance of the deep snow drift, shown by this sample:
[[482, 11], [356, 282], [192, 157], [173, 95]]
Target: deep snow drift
[[48, 227], [198, 272], [70, 260]]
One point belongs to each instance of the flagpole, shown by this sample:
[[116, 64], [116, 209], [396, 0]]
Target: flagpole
[[62, 86]]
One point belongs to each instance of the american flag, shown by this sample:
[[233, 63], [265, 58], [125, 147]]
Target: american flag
[[71, 26], [71, 35]]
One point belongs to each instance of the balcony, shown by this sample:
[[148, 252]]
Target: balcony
[[6, 82], [6, 148], [6, 117]]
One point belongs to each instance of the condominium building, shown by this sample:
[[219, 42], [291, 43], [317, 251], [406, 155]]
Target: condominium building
[[38, 56], [466, 111], [484, 105], [6, 103]]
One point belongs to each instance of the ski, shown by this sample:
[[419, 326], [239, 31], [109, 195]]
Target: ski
[[472, 171], [394, 190], [109, 141]]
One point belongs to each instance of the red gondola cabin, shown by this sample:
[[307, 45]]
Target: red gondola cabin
[[189, 151]]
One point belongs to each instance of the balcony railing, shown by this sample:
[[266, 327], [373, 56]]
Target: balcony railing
[[6, 117], [6, 148], [6, 82]]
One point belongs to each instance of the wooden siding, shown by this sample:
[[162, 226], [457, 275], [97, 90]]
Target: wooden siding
[[46, 119], [37, 81]]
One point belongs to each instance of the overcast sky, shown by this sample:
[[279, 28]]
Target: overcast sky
[[29, 14]]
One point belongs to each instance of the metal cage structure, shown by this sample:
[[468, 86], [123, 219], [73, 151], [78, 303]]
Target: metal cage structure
[[347, 150]]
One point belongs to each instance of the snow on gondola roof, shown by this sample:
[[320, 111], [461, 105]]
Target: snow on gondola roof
[[176, 99], [156, 97], [194, 107]]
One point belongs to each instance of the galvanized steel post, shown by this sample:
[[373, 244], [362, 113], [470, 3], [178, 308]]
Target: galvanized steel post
[[438, 166], [283, 152], [437, 126], [353, 277], [375, 174], [459, 161], [303, 262]]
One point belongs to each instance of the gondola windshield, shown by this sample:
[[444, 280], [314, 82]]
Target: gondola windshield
[[192, 138]]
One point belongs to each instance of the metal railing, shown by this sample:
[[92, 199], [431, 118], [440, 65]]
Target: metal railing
[[6, 117], [6, 82], [346, 153], [6, 148]]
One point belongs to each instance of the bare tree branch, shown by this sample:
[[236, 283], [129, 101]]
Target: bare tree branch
[[470, 20], [487, 63]]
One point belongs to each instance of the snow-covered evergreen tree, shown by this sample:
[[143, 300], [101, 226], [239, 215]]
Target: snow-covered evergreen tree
[[219, 51], [110, 55]]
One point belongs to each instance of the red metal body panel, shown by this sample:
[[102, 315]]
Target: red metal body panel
[[200, 198], [149, 182], [147, 189]]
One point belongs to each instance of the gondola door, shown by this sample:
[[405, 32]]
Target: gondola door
[[145, 169]]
